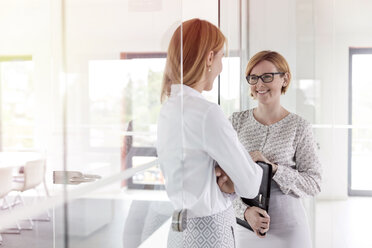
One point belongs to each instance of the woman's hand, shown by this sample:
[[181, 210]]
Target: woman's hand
[[224, 181], [257, 156], [258, 219]]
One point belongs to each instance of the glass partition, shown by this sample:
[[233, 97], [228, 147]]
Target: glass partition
[[115, 57], [288, 27], [80, 99]]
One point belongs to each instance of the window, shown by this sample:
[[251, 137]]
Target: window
[[121, 91], [360, 119], [17, 103], [124, 103]]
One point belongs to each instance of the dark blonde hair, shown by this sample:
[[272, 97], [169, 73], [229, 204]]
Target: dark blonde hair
[[199, 37], [277, 59]]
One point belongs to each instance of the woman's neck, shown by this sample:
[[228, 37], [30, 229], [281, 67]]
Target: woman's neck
[[269, 114], [199, 87]]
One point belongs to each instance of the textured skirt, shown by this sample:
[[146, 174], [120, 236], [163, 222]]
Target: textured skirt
[[215, 231], [288, 225]]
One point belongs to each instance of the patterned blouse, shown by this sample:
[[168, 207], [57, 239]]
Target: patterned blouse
[[290, 144]]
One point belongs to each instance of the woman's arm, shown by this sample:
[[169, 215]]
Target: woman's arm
[[305, 179], [257, 218], [222, 144]]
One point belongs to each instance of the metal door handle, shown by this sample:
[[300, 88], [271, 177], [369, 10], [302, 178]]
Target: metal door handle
[[73, 177]]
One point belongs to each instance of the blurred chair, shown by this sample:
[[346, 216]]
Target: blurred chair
[[33, 176], [6, 186]]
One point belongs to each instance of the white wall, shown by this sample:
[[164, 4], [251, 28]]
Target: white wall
[[272, 26], [338, 25]]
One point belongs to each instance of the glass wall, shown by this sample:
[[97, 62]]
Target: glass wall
[[81, 95], [318, 42], [114, 56], [80, 89]]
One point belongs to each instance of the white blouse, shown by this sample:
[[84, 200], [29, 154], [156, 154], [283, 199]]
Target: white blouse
[[192, 134]]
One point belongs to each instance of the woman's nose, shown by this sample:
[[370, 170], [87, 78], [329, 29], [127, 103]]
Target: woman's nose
[[259, 82]]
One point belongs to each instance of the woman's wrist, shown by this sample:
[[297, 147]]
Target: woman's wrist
[[275, 167], [246, 212]]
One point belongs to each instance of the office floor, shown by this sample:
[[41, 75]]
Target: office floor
[[40, 237], [95, 223], [344, 223], [339, 224]]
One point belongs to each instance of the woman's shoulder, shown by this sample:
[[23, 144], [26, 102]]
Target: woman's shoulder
[[300, 123], [241, 115], [299, 119]]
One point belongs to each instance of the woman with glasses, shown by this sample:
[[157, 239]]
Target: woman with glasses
[[272, 134], [193, 133]]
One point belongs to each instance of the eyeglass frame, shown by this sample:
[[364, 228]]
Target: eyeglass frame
[[260, 77]]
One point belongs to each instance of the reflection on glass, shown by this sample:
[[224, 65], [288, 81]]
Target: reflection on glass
[[307, 98], [229, 86], [152, 176], [121, 91]]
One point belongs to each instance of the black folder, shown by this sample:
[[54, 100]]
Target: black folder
[[263, 198]]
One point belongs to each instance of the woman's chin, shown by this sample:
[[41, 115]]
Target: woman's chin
[[262, 98]]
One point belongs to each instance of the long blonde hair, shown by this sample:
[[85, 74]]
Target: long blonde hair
[[199, 37]]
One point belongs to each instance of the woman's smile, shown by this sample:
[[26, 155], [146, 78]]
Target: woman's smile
[[262, 92]]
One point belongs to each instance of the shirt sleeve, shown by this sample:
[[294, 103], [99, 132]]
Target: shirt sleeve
[[305, 179], [221, 143], [238, 204]]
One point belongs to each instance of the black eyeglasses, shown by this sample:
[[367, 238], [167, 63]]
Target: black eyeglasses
[[266, 77]]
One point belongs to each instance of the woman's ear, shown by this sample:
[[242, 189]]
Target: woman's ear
[[285, 78], [210, 58]]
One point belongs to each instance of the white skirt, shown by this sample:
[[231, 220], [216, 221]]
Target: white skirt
[[215, 231], [288, 225]]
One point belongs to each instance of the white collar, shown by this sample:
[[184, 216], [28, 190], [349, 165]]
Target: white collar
[[178, 89]]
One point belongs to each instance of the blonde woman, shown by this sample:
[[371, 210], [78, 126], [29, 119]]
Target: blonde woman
[[272, 134], [193, 133]]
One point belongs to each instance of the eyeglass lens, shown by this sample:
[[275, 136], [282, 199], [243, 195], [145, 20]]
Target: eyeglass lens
[[266, 78]]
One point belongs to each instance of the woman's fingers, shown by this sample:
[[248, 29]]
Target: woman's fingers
[[263, 213], [264, 226], [264, 230], [218, 171], [221, 180], [258, 156], [258, 219], [258, 233]]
